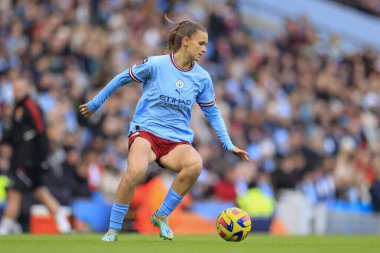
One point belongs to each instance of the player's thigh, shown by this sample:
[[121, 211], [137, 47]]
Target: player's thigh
[[182, 156], [140, 155]]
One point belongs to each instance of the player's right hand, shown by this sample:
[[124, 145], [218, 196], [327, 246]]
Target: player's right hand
[[85, 111], [241, 153]]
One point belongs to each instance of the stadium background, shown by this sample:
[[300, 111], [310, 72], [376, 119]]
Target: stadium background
[[300, 94]]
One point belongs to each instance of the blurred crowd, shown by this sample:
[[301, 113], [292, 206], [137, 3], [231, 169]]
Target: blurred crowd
[[371, 7], [307, 112]]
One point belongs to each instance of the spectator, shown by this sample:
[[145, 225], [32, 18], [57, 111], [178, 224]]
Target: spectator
[[28, 139]]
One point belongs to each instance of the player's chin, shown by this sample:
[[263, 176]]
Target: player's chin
[[198, 57]]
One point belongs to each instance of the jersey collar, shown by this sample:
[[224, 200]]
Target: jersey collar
[[175, 64]]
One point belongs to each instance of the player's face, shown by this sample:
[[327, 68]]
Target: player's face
[[197, 45]]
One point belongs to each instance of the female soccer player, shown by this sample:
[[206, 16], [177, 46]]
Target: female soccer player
[[160, 129]]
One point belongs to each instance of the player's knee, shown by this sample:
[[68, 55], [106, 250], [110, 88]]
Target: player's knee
[[198, 169], [134, 174], [194, 168]]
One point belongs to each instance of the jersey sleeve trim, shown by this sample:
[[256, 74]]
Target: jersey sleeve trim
[[134, 77], [207, 104]]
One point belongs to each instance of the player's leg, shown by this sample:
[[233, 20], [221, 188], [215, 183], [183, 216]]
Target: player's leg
[[9, 223], [43, 195], [139, 157], [187, 162]]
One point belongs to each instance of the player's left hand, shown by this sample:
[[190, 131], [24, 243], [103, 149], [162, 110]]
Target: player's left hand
[[83, 109], [241, 153]]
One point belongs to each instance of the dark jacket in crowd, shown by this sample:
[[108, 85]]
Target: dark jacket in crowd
[[27, 136]]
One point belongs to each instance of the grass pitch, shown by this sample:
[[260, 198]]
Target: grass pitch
[[188, 244]]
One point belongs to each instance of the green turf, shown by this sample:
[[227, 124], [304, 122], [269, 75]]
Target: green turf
[[188, 244]]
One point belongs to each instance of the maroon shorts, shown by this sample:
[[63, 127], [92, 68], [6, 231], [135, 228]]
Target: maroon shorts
[[160, 146]]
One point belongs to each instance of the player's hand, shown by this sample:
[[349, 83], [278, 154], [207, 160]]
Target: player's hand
[[85, 111], [241, 153]]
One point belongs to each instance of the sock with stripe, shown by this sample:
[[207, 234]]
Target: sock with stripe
[[171, 201], [118, 213]]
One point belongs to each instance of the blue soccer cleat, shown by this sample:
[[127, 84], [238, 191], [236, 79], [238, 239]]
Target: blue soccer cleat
[[162, 223], [109, 237]]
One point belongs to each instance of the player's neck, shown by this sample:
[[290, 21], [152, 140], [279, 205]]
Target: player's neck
[[182, 60]]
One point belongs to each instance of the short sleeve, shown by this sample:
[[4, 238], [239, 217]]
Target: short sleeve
[[207, 96], [142, 71]]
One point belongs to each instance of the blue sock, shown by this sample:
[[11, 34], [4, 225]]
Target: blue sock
[[118, 213], [171, 201]]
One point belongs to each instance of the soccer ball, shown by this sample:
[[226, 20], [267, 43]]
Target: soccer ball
[[233, 224]]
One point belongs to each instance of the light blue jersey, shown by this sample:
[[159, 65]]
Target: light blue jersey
[[168, 95]]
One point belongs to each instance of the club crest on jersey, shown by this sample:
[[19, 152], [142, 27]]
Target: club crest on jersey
[[179, 84]]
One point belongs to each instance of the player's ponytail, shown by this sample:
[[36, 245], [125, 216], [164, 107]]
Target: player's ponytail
[[184, 29]]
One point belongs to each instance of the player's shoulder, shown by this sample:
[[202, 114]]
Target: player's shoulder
[[201, 72], [157, 58], [151, 61]]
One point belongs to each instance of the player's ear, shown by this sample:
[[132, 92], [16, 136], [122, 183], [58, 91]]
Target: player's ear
[[185, 41]]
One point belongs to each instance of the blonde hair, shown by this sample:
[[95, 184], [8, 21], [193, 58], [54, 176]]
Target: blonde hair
[[184, 28]]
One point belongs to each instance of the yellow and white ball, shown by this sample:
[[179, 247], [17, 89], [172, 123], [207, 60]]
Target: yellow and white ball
[[233, 224]]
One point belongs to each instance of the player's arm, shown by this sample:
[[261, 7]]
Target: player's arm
[[206, 100], [138, 73], [215, 119], [90, 107]]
